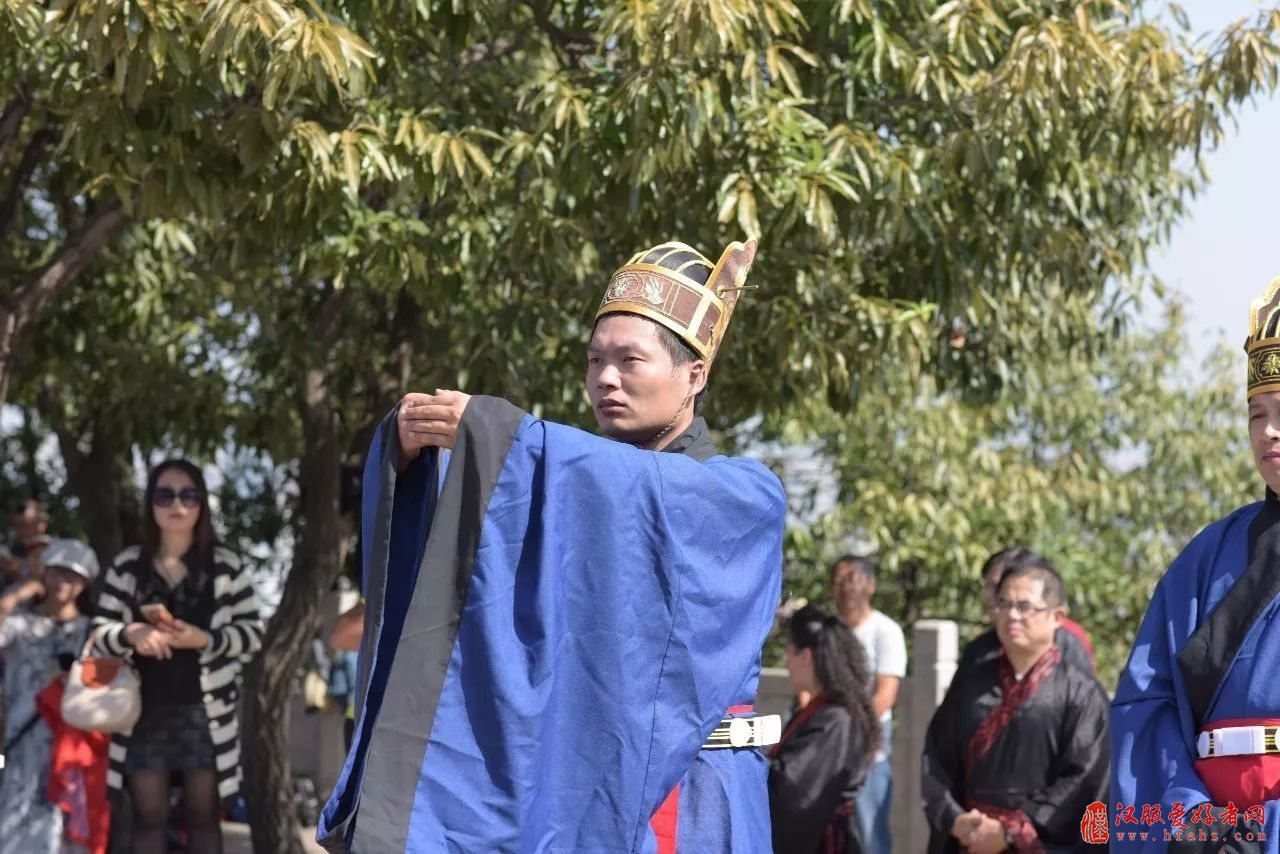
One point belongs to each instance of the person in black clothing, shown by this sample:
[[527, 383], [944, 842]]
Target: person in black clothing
[[186, 610], [1017, 751], [822, 759], [1070, 637]]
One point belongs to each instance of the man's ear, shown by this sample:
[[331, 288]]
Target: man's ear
[[698, 376]]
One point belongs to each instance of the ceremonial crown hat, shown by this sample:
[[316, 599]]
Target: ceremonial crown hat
[[678, 287], [1263, 346]]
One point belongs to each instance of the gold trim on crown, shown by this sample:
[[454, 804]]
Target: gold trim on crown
[[699, 314], [1263, 346]]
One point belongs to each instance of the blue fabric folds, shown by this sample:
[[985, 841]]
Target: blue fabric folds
[[554, 627]]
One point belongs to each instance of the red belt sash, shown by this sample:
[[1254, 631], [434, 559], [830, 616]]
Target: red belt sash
[[1241, 780], [663, 822]]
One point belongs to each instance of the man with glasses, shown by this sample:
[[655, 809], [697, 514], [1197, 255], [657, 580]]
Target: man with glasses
[[1018, 748], [1071, 638]]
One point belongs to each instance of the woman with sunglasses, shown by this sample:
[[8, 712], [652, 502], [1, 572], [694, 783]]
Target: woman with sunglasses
[[185, 610]]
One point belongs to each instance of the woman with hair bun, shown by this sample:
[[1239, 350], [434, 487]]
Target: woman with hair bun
[[823, 756]]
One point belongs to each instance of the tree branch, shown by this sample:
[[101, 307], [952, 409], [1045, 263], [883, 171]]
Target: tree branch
[[11, 119], [31, 156], [25, 306], [496, 49], [574, 43], [80, 248]]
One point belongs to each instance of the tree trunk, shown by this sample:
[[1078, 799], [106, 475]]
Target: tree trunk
[[268, 776], [95, 477], [27, 304], [11, 120], [30, 454]]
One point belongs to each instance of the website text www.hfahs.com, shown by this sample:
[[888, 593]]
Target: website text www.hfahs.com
[[1205, 823]]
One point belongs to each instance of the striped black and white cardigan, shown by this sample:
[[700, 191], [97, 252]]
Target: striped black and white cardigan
[[235, 635]]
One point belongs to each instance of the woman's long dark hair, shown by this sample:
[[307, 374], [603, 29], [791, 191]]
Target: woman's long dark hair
[[203, 538], [840, 665]]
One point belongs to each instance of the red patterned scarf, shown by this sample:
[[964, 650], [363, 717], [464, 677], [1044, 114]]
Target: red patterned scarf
[[1014, 694]]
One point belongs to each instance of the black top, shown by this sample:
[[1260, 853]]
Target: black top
[[1049, 758], [814, 774], [694, 442], [175, 681]]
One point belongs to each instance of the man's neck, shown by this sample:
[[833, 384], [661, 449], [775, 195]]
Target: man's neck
[[857, 615], [1023, 660], [677, 430]]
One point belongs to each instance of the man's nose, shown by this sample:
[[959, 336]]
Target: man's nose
[[608, 377]]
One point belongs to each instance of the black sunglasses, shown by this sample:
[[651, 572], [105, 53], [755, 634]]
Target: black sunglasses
[[165, 496]]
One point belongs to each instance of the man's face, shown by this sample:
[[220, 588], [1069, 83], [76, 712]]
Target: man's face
[[1264, 436], [1023, 620], [850, 587], [29, 526], [635, 388], [989, 583]]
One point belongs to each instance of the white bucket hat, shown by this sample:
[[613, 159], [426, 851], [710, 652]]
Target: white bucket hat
[[73, 555]]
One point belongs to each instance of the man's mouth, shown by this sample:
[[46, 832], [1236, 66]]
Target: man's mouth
[[610, 406]]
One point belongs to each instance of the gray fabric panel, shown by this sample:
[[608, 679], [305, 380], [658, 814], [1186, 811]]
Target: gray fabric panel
[[400, 735], [376, 579]]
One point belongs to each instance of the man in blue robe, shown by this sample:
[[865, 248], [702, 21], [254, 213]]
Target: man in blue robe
[[1194, 719], [563, 632]]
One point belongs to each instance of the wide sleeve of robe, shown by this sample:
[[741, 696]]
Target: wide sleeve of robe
[[555, 624], [1081, 773]]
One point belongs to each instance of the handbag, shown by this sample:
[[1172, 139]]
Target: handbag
[[103, 694]]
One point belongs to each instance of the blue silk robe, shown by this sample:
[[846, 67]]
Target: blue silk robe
[[555, 624], [1153, 731]]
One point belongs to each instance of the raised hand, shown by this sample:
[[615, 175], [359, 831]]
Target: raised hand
[[429, 420]]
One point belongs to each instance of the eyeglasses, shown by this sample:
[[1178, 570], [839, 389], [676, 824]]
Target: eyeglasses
[[165, 496], [1014, 609]]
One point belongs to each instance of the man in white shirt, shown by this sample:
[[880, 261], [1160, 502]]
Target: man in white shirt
[[853, 583]]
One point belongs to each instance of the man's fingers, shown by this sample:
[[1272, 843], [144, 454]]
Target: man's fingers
[[434, 411], [414, 399], [415, 435], [417, 419]]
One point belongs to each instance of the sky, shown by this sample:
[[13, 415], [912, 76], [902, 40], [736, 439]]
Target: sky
[[1227, 249]]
